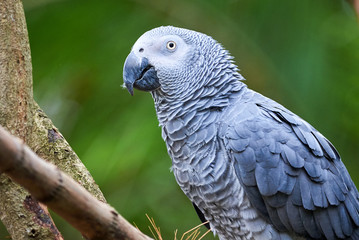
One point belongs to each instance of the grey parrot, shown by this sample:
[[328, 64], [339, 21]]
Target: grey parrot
[[251, 168]]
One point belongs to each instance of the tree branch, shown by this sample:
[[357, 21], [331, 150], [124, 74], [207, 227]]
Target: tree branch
[[93, 218], [22, 215]]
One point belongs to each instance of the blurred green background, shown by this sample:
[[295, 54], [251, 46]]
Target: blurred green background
[[303, 54]]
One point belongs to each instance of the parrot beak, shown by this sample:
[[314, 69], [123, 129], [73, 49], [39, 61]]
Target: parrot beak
[[139, 74]]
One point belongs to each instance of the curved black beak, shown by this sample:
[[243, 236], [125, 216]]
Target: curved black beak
[[139, 74]]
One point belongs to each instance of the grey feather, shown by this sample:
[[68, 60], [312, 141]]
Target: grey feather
[[335, 222], [309, 223], [322, 220]]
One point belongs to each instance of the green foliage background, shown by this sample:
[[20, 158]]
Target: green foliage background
[[304, 54]]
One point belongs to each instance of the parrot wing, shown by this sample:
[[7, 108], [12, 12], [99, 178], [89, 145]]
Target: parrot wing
[[291, 173]]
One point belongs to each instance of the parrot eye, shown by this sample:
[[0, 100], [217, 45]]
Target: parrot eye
[[171, 45]]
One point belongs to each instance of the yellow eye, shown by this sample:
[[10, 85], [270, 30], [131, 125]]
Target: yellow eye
[[171, 45]]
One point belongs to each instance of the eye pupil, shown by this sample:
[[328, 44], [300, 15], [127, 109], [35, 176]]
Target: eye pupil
[[171, 45]]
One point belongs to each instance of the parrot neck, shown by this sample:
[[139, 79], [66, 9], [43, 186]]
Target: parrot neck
[[215, 95]]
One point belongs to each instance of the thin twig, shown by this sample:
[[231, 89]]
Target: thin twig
[[209, 230], [192, 229], [356, 7]]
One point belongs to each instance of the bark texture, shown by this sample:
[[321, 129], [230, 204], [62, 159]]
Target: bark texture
[[21, 214], [93, 218]]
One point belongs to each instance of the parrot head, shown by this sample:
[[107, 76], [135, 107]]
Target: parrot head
[[168, 59]]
